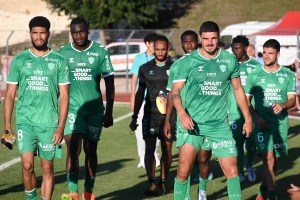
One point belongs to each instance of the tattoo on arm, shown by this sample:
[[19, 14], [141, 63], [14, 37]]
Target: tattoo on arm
[[176, 96]]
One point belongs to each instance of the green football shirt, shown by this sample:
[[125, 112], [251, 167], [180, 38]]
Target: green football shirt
[[271, 87], [245, 69], [207, 85], [38, 79], [86, 68]]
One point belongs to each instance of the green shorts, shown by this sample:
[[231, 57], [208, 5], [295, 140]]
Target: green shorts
[[89, 125], [191, 137], [220, 139], [34, 138], [275, 140], [236, 123]]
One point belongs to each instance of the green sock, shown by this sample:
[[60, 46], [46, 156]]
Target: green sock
[[42, 198], [202, 183], [72, 182], [30, 195], [188, 188], [272, 194], [89, 184], [179, 189], [263, 190], [234, 188]]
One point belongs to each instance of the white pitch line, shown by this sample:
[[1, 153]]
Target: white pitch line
[[16, 160]]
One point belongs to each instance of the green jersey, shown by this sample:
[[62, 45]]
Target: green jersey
[[268, 88], [86, 69], [245, 69], [38, 80], [207, 85]]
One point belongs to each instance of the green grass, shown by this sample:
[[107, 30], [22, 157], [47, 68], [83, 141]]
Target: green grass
[[227, 12], [119, 178]]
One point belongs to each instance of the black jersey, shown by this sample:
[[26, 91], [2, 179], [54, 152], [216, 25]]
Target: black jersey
[[154, 78]]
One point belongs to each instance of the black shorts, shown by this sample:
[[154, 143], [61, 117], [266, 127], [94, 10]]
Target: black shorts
[[153, 126]]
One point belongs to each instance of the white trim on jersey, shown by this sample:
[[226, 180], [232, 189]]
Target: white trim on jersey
[[251, 95], [111, 73], [12, 82], [292, 93], [179, 80], [68, 83], [210, 58], [39, 56], [82, 50], [169, 89]]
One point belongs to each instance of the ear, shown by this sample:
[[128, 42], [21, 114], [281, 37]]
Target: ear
[[169, 46], [278, 54], [199, 38], [88, 31]]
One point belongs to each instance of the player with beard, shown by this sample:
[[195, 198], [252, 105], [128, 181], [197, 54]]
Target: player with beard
[[40, 75], [274, 91], [153, 76], [88, 61], [189, 42], [207, 73], [247, 65]]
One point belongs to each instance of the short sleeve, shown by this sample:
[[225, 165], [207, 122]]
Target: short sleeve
[[236, 69], [105, 63], [64, 72], [291, 87], [183, 70], [136, 65], [14, 72], [249, 89]]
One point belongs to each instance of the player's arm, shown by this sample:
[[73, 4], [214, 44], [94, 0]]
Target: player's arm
[[9, 105], [134, 79], [241, 99], [63, 112], [185, 119], [290, 103], [110, 97], [259, 120], [170, 106]]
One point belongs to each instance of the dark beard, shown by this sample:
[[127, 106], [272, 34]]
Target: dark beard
[[42, 47], [163, 59]]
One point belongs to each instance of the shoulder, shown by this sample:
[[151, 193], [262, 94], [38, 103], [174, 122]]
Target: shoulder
[[21, 55], [58, 55], [226, 55], [65, 47], [97, 46], [287, 71]]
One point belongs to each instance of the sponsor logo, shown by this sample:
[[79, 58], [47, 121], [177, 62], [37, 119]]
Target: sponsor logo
[[91, 60], [38, 72], [81, 64], [211, 74], [72, 126], [280, 74], [71, 60], [92, 54], [231, 150], [151, 72], [107, 62], [262, 80], [271, 85], [51, 60], [93, 129], [281, 80], [46, 147], [51, 66], [151, 131], [28, 65], [261, 146], [200, 69], [223, 68], [223, 61]]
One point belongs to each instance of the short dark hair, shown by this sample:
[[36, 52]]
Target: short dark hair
[[150, 37], [209, 26], [272, 43], [39, 21], [80, 20], [189, 32], [241, 39], [161, 38]]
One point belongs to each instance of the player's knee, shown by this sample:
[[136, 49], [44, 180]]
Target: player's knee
[[182, 175], [47, 169], [28, 168], [231, 172]]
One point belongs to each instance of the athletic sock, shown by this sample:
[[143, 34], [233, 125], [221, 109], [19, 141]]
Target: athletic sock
[[240, 155], [272, 194], [263, 190], [151, 180], [42, 198], [179, 189], [30, 195], [188, 188], [251, 152], [89, 184], [202, 183], [161, 181], [72, 182], [234, 188]]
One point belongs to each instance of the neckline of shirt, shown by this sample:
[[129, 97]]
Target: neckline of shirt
[[82, 50]]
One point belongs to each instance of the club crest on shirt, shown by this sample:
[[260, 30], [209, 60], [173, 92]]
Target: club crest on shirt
[[91, 60], [249, 70], [281, 80], [20, 145], [51, 66], [72, 126], [151, 131], [168, 72], [223, 68]]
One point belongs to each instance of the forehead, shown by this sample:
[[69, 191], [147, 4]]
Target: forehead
[[238, 45], [209, 34], [189, 37], [78, 27], [38, 29], [269, 49], [160, 43]]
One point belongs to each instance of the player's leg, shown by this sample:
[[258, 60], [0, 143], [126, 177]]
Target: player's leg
[[157, 160], [74, 131], [166, 160], [139, 138], [48, 178], [204, 156], [251, 151], [150, 165], [27, 141], [239, 144]]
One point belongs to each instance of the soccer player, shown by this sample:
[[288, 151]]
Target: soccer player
[[247, 65], [153, 76], [88, 61], [140, 59], [40, 75], [189, 42], [207, 73], [274, 92]]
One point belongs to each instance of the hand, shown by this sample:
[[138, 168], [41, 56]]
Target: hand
[[294, 192], [167, 129], [277, 108], [133, 124], [107, 120], [248, 128], [186, 121], [261, 123], [10, 130], [58, 136]]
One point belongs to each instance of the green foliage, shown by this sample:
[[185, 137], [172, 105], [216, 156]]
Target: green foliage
[[104, 13]]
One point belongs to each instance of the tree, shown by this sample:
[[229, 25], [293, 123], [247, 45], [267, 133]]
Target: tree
[[104, 13]]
